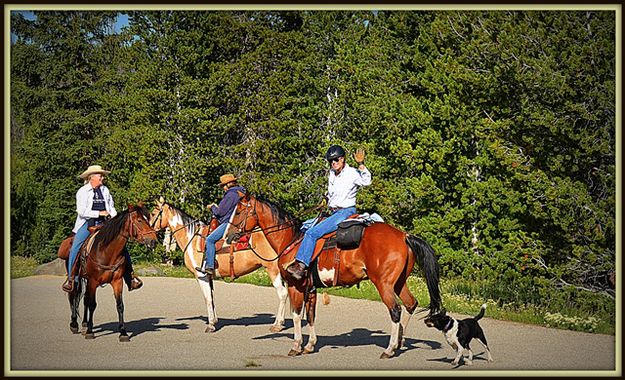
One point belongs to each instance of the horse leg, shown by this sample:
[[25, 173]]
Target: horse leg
[[283, 293], [297, 303], [388, 297], [311, 311], [206, 284], [410, 304], [90, 303], [74, 304], [118, 287], [85, 315]]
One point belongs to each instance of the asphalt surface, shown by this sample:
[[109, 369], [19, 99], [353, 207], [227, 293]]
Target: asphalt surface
[[166, 321]]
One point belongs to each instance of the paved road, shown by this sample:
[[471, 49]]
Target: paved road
[[166, 321]]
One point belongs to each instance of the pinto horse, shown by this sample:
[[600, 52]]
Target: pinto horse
[[101, 261], [385, 255], [187, 233]]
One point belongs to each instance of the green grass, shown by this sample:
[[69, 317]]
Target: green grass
[[558, 308], [22, 266]]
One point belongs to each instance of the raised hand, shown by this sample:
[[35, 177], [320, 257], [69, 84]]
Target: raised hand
[[359, 156]]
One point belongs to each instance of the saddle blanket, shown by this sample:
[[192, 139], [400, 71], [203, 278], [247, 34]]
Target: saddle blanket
[[365, 217]]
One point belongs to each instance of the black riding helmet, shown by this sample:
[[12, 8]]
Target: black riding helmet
[[335, 151]]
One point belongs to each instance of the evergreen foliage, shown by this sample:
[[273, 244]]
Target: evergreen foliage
[[489, 133]]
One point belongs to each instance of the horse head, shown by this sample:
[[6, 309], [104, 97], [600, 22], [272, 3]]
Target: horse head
[[245, 217], [159, 218], [140, 229]]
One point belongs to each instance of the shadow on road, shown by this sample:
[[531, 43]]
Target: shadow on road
[[255, 320], [359, 337], [139, 327], [462, 362]]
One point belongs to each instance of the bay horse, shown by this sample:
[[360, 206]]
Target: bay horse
[[190, 240], [385, 255], [101, 261]]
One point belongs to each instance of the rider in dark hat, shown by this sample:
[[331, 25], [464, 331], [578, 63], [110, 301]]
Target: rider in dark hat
[[343, 184]]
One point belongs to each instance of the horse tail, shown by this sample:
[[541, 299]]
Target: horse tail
[[78, 293], [424, 253]]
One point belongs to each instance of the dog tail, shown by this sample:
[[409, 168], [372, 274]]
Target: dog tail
[[481, 313]]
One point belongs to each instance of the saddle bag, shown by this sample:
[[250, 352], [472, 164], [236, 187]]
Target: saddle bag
[[350, 233]]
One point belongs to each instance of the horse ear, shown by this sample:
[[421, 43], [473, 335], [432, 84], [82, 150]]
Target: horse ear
[[161, 200], [140, 204]]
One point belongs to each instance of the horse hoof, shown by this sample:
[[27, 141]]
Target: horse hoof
[[308, 350], [294, 352], [124, 338], [89, 336], [276, 328], [74, 330], [385, 356], [210, 329]]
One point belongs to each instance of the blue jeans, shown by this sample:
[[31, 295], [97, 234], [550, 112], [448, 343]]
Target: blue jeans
[[331, 223], [81, 235], [211, 239]]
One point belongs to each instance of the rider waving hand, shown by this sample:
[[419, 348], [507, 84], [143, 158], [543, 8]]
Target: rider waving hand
[[344, 182]]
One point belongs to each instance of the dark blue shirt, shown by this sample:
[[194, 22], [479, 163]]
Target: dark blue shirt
[[98, 205], [226, 207]]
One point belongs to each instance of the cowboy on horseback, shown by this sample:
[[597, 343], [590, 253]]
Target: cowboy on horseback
[[94, 205], [222, 212], [344, 182]]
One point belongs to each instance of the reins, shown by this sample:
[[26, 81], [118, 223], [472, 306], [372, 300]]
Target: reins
[[129, 236], [269, 230]]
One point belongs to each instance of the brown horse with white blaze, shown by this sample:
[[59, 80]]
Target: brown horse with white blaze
[[385, 255], [186, 231]]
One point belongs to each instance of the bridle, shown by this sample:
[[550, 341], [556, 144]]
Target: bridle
[[129, 236], [136, 228], [159, 216], [251, 211]]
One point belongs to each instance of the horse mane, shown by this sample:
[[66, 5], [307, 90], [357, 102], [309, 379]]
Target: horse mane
[[112, 228], [186, 219], [279, 214]]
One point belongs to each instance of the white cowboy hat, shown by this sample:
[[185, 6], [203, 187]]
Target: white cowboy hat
[[93, 169]]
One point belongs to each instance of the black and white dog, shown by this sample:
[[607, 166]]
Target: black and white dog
[[460, 333]]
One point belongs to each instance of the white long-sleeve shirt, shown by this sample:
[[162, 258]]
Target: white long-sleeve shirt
[[84, 203], [342, 188]]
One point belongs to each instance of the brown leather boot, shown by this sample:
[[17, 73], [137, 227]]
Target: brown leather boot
[[135, 283], [296, 270], [68, 285]]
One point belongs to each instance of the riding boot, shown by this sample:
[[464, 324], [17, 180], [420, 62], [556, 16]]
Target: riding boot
[[297, 270], [68, 285], [132, 281], [135, 283], [208, 271]]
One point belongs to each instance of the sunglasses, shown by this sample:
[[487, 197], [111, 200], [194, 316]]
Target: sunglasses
[[334, 160]]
